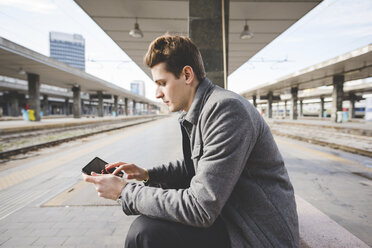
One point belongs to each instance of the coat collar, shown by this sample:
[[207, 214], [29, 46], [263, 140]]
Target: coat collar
[[202, 92]]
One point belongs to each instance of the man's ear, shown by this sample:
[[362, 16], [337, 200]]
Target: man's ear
[[189, 74]]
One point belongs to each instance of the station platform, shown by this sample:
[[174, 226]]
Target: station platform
[[354, 137], [356, 126], [16, 125], [316, 228], [57, 209]]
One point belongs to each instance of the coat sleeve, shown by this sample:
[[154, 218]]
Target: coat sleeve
[[173, 175], [228, 137]]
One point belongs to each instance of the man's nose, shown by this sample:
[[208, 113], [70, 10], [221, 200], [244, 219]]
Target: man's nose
[[158, 93]]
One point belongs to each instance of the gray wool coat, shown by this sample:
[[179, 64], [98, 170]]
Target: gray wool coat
[[239, 175]]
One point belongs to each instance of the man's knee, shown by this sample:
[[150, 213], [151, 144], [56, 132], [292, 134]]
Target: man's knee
[[143, 232]]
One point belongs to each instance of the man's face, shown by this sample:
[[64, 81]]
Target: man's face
[[173, 91]]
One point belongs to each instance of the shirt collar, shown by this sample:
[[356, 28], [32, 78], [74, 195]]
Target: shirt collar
[[201, 95]]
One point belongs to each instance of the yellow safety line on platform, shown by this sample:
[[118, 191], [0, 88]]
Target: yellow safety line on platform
[[65, 195], [20, 176]]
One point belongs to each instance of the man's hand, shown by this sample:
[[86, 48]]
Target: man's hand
[[107, 185], [132, 170]]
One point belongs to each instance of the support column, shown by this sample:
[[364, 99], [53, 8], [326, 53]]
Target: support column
[[208, 29], [116, 106], [301, 108], [45, 105], [100, 103], [321, 113], [126, 106], [255, 101], [34, 94], [277, 109], [90, 108], [294, 92], [285, 109], [134, 108], [76, 105], [67, 106], [14, 103], [270, 104], [337, 95], [83, 107], [352, 106]]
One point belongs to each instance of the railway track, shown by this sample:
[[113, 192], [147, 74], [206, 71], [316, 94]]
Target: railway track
[[22, 142]]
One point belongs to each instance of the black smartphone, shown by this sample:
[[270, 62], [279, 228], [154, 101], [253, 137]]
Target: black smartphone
[[98, 166]]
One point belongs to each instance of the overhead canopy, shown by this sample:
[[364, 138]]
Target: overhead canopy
[[13, 57], [349, 90], [353, 65], [266, 19]]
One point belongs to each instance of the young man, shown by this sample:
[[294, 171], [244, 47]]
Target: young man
[[231, 189]]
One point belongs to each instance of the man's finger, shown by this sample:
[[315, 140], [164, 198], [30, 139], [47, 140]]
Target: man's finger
[[96, 174], [117, 170], [130, 176], [89, 179], [113, 165]]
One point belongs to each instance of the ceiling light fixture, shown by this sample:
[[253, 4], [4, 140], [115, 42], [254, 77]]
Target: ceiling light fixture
[[246, 33], [136, 32], [21, 71]]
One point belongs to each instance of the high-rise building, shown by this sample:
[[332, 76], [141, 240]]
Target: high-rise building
[[68, 48], [138, 87]]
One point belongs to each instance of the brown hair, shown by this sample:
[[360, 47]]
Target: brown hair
[[176, 52]]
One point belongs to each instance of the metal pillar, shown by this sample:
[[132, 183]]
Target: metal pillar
[[255, 101], [208, 29], [301, 108], [321, 113], [270, 104], [126, 106], [14, 103], [134, 108], [294, 92], [45, 105], [285, 109], [34, 94], [83, 107], [352, 106], [90, 110], [337, 96], [100, 103], [116, 106], [76, 105], [67, 106], [277, 109]]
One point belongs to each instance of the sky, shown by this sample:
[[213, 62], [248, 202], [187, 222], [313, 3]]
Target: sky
[[331, 29]]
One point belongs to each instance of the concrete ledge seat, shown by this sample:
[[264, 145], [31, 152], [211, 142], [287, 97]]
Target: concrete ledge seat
[[318, 230]]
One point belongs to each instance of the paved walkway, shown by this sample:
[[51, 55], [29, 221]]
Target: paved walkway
[[76, 217], [107, 226]]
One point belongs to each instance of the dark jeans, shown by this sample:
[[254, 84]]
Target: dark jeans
[[147, 232]]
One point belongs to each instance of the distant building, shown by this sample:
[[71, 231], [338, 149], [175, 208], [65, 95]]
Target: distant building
[[68, 48], [138, 87]]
